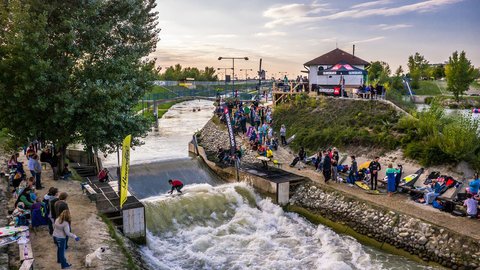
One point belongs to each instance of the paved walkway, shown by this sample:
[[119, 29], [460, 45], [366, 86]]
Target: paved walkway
[[399, 202]]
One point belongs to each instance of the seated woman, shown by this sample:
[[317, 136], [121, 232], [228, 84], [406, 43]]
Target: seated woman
[[20, 215]]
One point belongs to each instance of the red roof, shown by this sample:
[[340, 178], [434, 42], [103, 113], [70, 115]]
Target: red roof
[[336, 56]]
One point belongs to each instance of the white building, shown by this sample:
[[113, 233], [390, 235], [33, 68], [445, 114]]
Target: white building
[[327, 71]]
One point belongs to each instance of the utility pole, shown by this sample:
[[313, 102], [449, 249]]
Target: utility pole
[[260, 73]]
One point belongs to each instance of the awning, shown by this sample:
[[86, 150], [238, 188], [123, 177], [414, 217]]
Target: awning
[[342, 68]]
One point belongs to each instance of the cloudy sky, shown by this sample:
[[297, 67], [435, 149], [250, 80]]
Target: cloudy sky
[[288, 33]]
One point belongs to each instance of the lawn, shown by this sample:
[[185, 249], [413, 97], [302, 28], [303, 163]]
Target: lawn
[[430, 88]]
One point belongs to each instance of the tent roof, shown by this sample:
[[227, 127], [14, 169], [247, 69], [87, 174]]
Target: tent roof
[[336, 56]]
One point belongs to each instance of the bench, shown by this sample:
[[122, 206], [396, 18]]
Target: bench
[[26, 255], [91, 193]]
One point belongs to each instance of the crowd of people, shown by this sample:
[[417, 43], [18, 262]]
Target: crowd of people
[[371, 92], [30, 209]]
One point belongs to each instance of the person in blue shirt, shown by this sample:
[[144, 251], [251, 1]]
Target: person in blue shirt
[[433, 192], [474, 185]]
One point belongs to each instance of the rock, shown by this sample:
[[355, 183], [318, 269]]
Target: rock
[[423, 240]]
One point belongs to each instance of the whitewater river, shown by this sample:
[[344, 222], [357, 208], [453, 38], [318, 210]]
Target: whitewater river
[[227, 226]]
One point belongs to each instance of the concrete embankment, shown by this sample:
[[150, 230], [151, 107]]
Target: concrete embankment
[[381, 227], [387, 229]]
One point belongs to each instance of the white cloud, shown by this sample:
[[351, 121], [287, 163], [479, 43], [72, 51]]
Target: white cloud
[[270, 34], [302, 13], [393, 26], [367, 40], [372, 3]]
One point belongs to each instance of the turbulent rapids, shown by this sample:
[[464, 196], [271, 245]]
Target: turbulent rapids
[[231, 227]]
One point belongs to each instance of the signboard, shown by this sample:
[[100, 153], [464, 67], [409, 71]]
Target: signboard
[[125, 169], [353, 72], [231, 135]]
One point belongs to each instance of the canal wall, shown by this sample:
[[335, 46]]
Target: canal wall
[[386, 229], [370, 224]]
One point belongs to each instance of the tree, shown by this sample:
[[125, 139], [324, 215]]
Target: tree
[[72, 71], [418, 67], [378, 70], [176, 73], [397, 83], [460, 73]]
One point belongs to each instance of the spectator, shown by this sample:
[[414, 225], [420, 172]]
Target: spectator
[[374, 168], [472, 206], [38, 172], [335, 159], [283, 134], [474, 185], [352, 175], [12, 162], [61, 233], [49, 200], [25, 198], [103, 175], [66, 173], [433, 192], [391, 184], [60, 206], [327, 167]]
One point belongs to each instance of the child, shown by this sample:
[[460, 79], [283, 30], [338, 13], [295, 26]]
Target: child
[[66, 173]]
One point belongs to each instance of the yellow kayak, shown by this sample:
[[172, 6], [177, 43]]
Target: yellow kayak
[[364, 165], [362, 185]]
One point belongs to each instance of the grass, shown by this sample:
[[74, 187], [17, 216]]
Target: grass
[[118, 239], [327, 122], [466, 102], [430, 88]]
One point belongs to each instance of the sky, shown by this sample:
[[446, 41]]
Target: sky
[[288, 33]]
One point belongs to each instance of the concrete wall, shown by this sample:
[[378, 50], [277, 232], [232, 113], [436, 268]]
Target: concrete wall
[[134, 224], [388, 229], [229, 173]]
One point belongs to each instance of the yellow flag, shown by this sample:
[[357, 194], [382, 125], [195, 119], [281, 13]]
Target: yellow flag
[[125, 169]]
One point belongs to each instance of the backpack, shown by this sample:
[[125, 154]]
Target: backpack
[[448, 206]]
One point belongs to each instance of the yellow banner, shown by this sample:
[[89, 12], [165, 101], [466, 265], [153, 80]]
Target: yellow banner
[[125, 169]]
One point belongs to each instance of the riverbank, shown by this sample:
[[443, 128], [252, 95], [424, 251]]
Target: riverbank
[[86, 224], [213, 136]]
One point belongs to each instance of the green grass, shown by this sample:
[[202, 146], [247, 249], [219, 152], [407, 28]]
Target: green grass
[[329, 122], [466, 102], [430, 88], [113, 233]]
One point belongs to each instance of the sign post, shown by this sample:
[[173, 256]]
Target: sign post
[[125, 169]]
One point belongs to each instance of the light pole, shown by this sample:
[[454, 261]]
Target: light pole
[[225, 78], [233, 68], [246, 72]]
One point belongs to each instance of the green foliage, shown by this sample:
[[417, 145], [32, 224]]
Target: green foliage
[[437, 139], [418, 68], [460, 73], [324, 122], [398, 99], [177, 73], [8, 142], [430, 88], [73, 71], [378, 72]]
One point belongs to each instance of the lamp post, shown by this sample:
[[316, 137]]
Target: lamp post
[[225, 78], [233, 68], [246, 72]]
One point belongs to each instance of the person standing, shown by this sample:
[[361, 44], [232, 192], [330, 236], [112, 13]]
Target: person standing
[[61, 232], [31, 166], [37, 166], [352, 175], [327, 167], [283, 134], [391, 183], [60, 206], [398, 176], [49, 199], [335, 159], [374, 168]]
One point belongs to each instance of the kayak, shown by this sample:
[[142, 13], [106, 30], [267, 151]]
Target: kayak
[[362, 185], [364, 165], [410, 180]]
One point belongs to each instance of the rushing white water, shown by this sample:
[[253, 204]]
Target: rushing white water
[[176, 128], [230, 227]]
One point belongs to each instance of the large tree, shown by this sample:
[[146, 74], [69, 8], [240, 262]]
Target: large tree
[[378, 72], [72, 70], [460, 73]]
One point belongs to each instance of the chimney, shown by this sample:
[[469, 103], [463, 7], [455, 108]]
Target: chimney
[[354, 50]]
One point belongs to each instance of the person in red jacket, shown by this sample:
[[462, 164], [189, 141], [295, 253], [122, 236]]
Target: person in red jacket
[[176, 184]]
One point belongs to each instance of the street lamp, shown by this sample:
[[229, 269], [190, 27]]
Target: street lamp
[[225, 78], [233, 68], [246, 72]]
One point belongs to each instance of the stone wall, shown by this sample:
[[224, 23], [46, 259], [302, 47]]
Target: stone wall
[[427, 241], [3, 222]]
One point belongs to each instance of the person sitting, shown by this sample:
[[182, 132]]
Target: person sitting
[[262, 150], [472, 206], [269, 153], [474, 185], [25, 198], [433, 192], [176, 185], [20, 215], [221, 154], [103, 175], [12, 162], [66, 173]]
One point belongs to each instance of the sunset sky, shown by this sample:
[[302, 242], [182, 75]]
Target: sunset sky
[[287, 34]]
